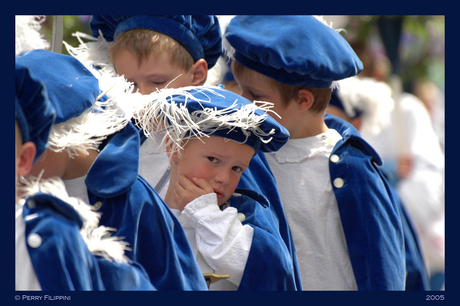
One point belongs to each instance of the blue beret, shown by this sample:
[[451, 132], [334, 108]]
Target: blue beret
[[270, 135], [200, 34], [294, 50], [34, 112], [71, 87]]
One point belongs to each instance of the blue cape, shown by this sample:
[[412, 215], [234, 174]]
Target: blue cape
[[62, 262], [371, 220], [135, 209]]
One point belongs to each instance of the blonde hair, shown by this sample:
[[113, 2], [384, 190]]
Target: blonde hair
[[288, 92], [144, 42]]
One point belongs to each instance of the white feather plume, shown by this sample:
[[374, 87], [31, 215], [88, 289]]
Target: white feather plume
[[92, 51], [104, 118], [97, 238], [370, 97], [27, 33], [160, 115]]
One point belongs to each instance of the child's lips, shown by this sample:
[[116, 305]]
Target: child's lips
[[219, 193]]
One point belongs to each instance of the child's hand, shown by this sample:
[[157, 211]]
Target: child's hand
[[186, 190]]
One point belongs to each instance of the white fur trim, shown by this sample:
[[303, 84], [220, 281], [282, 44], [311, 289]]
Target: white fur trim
[[95, 236]]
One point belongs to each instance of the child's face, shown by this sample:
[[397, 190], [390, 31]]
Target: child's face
[[152, 73], [220, 162], [256, 87]]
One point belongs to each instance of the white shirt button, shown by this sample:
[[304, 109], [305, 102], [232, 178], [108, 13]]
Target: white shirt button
[[338, 182], [34, 240], [241, 217], [97, 205], [334, 158]]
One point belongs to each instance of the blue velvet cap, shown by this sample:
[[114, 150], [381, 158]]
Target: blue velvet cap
[[71, 87], [34, 113], [220, 99], [294, 50], [200, 34]]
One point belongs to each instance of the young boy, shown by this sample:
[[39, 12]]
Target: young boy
[[154, 52], [344, 220], [108, 179], [59, 245], [211, 136]]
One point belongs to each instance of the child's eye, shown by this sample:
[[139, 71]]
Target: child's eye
[[212, 159], [237, 169]]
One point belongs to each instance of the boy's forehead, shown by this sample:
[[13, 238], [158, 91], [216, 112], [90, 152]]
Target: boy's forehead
[[217, 144]]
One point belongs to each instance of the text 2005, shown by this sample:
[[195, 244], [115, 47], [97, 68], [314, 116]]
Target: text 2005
[[434, 297]]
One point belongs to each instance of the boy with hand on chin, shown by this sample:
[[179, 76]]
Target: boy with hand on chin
[[345, 222], [106, 176], [211, 136]]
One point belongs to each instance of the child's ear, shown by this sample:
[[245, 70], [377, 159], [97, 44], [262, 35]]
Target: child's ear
[[305, 99], [172, 156], [200, 72], [26, 156]]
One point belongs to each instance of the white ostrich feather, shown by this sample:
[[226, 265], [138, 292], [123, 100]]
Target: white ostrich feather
[[162, 116], [95, 52], [104, 118], [370, 97], [27, 32], [97, 238]]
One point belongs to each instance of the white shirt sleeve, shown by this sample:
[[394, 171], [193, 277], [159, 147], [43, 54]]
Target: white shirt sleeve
[[221, 238]]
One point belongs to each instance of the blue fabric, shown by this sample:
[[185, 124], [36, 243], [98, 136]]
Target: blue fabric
[[295, 50], [368, 211], [71, 87], [199, 34], [228, 100], [132, 206], [33, 111], [417, 276], [63, 262], [270, 223], [270, 264]]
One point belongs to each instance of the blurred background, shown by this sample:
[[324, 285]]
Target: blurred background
[[416, 43]]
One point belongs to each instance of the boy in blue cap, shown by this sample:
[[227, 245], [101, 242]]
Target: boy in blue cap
[[153, 52], [108, 179], [345, 222], [211, 135], [59, 245]]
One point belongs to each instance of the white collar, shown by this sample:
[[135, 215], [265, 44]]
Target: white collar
[[296, 150]]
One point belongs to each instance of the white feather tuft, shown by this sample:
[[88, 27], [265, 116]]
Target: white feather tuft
[[28, 35], [104, 118], [93, 52], [96, 237], [372, 98], [161, 116]]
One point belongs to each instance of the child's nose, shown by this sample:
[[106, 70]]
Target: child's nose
[[145, 89], [222, 177]]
